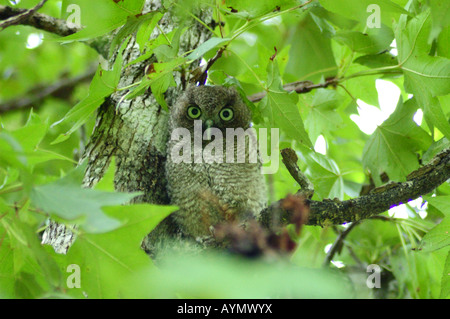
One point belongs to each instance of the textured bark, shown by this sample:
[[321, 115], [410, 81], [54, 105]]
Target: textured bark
[[136, 131]]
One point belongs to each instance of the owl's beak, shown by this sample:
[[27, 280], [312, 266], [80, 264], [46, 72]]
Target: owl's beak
[[208, 125]]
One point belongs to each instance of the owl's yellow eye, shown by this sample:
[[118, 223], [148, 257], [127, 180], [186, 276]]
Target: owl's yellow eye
[[194, 112], [226, 114]]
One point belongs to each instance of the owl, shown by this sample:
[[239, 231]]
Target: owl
[[212, 185]]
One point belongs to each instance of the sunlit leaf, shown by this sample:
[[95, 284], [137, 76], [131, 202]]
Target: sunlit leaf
[[392, 146], [425, 76], [281, 108]]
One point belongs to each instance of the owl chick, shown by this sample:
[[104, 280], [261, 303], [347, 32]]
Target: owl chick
[[210, 192]]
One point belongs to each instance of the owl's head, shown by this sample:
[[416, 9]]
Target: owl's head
[[216, 106]]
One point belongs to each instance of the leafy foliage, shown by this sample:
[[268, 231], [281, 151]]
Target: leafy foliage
[[265, 44]]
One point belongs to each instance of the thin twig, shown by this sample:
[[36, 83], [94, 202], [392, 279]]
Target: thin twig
[[204, 75], [337, 245], [290, 161], [299, 87]]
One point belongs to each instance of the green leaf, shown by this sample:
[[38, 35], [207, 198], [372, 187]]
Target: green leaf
[[374, 41], [11, 152], [98, 17], [30, 137], [135, 7], [419, 272], [322, 115], [283, 112], [358, 9], [146, 28], [438, 237], [103, 84], [443, 49], [27, 287], [434, 113], [32, 133], [161, 78], [107, 260], [362, 87], [425, 76], [391, 148], [161, 83], [373, 238], [66, 199], [6, 258], [221, 276], [310, 56], [21, 145], [206, 47], [280, 108], [131, 26], [107, 181], [377, 60], [248, 9], [323, 24], [431, 73], [434, 149], [169, 52], [26, 263], [335, 19], [324, 175], [445, 281], [440, 10]]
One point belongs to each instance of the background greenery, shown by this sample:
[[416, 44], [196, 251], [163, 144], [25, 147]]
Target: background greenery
[[39, 148]]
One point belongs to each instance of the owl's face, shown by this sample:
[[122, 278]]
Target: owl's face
[[215, 106]]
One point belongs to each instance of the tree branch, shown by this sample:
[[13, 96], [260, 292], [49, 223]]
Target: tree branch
[[380, 199], [34, 19], [61, 89], [16, 19]]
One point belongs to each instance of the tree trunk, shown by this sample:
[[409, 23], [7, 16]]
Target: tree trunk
[[134, 131]]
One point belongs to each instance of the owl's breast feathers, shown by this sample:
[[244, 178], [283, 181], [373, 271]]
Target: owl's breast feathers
[[211, 193]]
